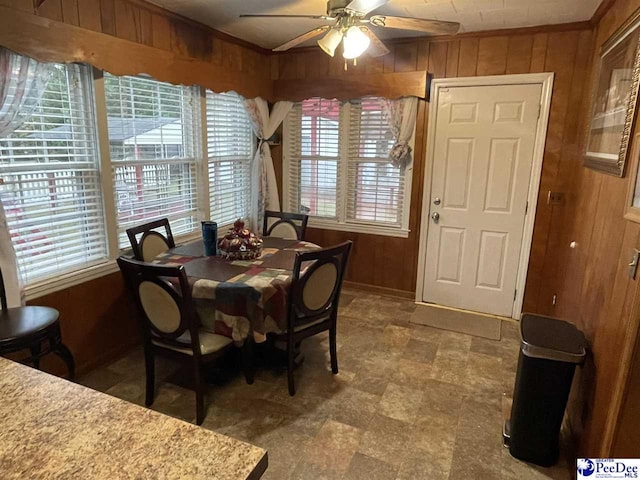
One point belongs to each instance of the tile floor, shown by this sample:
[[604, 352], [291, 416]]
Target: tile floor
[[410, 402]]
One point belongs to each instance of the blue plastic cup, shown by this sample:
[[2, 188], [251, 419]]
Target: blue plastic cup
[[210, 238]]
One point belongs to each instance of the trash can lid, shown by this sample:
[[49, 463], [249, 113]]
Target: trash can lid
[[551, 339]]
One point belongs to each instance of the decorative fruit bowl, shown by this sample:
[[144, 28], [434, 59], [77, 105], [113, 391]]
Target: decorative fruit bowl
[[240, 243]]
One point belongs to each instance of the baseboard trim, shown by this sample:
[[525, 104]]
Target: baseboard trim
[[391, 292]]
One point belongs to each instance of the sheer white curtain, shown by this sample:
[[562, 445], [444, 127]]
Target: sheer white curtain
[[22, 82], [401, 115], [264, 190]]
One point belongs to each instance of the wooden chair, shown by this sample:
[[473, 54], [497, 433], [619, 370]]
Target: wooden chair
[[313, 300], [32, 327], [151, 243], [291, 226], [169, 323]]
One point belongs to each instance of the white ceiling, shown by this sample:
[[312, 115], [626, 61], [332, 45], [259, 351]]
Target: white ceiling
[[474, 15]]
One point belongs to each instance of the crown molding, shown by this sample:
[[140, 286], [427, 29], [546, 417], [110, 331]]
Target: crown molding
[[600, 12]]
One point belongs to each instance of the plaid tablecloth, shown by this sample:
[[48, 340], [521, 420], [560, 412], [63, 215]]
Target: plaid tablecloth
[[238, 298]]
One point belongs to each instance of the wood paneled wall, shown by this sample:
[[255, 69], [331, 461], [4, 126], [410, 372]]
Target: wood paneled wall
[[626, 439], [96, 320], [591, 280], [145, 24], [392, 262]]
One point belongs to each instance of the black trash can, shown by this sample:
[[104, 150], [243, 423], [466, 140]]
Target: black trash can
[[549, 353]]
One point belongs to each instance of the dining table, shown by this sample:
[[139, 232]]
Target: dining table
[[239, 298]]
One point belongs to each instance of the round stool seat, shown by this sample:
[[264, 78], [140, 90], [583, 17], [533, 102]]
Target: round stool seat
[[20, 322], [35, 328]]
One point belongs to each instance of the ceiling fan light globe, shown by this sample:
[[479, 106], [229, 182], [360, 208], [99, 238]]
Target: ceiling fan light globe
[[330, 41], [356, 43]]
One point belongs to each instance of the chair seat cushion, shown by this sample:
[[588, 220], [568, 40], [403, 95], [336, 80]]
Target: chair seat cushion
[[22, 322], [209, 343]]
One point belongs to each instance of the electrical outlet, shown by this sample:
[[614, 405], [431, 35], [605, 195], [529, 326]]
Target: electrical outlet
[[555, 198]]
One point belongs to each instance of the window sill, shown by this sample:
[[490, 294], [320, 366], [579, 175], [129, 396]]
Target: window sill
[[359, 228], [71, 279]]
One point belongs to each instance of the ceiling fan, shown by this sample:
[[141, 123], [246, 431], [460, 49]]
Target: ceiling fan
[[350, 27]]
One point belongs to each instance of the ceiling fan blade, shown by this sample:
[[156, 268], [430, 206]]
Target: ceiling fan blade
[[302, 38], [258, 15], [419, 24], [376, 47], [362, 7]]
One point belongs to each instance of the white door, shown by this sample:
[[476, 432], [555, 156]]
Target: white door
[[483, 153]]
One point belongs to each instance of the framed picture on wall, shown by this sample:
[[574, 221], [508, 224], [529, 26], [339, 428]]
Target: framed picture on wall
[[614, 100], [632, 212]]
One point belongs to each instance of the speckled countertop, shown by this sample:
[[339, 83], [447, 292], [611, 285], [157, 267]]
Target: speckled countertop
[[52, 428]]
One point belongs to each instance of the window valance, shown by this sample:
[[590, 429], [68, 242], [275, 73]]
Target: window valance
[[49, 41], [352, 87]]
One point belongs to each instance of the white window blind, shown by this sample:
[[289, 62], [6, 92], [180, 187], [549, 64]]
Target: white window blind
[[230, 146], [51, 191], [375, 191], [313, 152], [154, 141], [337, 167]]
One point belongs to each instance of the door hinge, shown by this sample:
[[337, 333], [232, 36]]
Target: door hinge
[[526, 208], [539, 109], [515, 294], [554, 299]]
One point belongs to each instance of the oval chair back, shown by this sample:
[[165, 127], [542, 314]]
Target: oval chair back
[[313, 300], [151, 243], [163, 298], [316, 286], [290, 226]]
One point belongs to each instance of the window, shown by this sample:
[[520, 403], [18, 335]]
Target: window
[[230, 146], [314, 148], [376, 188], [63, 224], [52, 191], [337, 168], [154, 142]]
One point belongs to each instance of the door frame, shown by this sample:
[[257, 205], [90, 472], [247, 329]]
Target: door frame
[[546, 81]]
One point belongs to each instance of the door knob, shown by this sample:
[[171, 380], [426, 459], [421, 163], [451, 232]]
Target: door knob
[[435, 216], [436, 201]]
